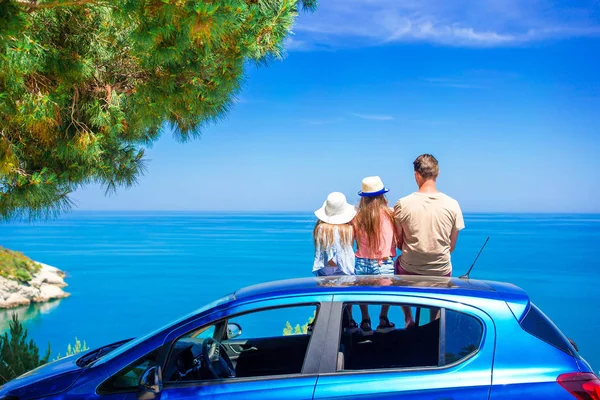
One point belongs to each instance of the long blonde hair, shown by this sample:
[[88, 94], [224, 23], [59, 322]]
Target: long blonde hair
[[368, 218], [324, 234]]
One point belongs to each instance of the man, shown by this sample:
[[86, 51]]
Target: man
[[428, 223]]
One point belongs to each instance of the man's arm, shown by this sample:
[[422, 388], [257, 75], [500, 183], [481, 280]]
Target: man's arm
[[399, 237], [398, 225], [453, 239], [459, 224]]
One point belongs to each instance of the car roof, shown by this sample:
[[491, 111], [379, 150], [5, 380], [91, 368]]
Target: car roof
[[516, 298]]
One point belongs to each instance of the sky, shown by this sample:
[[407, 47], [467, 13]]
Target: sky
[[505, 93]]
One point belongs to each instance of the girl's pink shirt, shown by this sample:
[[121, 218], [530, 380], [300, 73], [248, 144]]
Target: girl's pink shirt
[[387, 243]]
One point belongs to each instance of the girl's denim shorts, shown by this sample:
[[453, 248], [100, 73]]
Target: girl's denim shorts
[[367, 266]]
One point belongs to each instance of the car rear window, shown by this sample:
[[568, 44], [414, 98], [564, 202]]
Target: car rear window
[[463, 336], [539, 325]]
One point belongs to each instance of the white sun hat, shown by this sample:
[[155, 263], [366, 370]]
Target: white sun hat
[[336, 210], [372, 186]]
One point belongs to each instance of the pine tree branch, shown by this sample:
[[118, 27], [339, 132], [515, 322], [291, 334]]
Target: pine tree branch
[[85, 85]]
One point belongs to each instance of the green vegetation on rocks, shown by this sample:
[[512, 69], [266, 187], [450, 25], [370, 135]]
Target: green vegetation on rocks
[[16, 266], [87, 85]]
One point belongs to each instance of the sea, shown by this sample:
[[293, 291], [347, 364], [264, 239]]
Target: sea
[[131, 272]]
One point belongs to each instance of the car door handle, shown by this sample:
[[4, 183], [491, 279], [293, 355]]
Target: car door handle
[[250, 349], [236, 348]]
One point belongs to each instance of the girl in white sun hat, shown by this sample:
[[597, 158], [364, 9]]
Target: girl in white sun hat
[[333, 237]]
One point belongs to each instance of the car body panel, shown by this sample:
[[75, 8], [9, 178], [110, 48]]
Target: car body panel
[[48, 379], [417, 385], [584, 366], [295, 387], [525, 364], [530, 391], [51, 370], [515, 297]]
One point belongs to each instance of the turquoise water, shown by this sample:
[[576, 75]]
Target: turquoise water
[[131, 272]]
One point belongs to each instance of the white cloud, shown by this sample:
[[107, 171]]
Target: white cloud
[[297, 45], [374, 117], [473, 23]]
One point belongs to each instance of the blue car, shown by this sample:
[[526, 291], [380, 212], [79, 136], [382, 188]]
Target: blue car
[[294, 340]]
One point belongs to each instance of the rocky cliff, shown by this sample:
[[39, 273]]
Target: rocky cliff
[[46, 284]]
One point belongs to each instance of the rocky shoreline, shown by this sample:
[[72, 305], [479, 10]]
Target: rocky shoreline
[[47, 284]]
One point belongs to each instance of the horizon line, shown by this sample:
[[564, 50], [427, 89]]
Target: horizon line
[[311, 211]]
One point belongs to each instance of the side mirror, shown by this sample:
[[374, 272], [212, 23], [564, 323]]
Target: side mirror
[[150, 383], [233, 330]]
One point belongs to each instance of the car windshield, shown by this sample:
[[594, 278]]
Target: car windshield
[[122, 349]]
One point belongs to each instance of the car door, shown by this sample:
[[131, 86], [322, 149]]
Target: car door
[[402, 364], [268, 366]]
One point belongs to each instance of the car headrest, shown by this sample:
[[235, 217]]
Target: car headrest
[[340, 361]]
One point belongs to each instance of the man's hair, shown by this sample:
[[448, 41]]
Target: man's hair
[[427, 166]]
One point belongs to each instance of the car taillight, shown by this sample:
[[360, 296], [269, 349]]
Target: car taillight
[[582, 385]]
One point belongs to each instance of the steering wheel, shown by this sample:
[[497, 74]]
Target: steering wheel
[[215, 360]]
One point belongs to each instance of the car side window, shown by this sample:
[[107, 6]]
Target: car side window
[[128, 379], [275, 322], [434, 331], [539, 325], [206, 333], [266, 342], [463, 336]]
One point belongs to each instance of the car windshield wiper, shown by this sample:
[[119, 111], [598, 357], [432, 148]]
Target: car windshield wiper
[[99, 353]]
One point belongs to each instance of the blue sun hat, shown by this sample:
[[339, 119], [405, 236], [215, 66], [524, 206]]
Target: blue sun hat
[[372, 186]]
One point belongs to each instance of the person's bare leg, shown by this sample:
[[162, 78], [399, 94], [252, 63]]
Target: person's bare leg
[[434, 313], [364, 310], [408, 317], [384, 310]]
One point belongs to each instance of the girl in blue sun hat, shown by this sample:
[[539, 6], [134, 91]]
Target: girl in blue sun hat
[[376, 244]]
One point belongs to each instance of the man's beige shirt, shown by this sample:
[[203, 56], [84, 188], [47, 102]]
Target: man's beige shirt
[[427, 220]]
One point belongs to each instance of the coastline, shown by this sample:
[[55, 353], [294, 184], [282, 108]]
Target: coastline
[[47, 284]]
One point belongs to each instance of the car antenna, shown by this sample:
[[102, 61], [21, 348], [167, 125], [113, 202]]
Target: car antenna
[[466, 276]]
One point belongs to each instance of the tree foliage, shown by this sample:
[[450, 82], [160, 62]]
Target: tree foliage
[[86, 85], [18, 356], [77, 348], [298, 330]]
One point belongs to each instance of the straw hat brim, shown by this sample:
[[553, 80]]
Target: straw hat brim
[[373, 194], [346, 216]]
